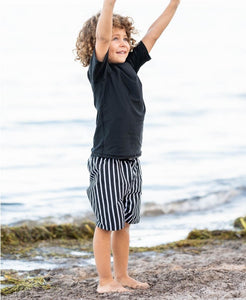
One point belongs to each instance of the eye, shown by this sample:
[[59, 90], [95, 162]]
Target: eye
[[115, 38]]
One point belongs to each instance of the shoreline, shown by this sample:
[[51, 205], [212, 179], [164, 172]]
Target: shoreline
[[216, 271], [206, 265]]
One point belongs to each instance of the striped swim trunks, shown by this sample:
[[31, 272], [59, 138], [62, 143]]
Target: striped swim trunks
[[115, 191]]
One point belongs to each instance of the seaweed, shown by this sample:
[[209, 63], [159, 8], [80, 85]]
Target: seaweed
[[17, 237], [18, 284], [216, 234], [240, 223], [195, 239], [23, 240]]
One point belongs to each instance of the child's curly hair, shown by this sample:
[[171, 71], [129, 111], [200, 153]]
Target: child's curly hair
[[87, 36]]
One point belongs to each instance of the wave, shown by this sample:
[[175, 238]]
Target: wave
[[198, 203], [58, 220], [57, 122], [11, 203], [42, 123]]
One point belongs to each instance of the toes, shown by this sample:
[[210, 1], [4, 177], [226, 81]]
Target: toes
[[112, 287], [143, 286], [134, 284]]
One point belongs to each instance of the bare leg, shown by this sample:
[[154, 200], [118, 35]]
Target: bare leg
[[120, 247], [102, 253]]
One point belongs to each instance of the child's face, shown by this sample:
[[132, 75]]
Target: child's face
[[119, 46]]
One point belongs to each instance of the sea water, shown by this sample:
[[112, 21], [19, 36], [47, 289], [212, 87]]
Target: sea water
[[194, 147]]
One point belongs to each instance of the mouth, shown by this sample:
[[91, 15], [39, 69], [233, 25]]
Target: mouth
[[121, 52]]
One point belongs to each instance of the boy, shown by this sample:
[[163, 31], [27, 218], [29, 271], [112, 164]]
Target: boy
[[106, 45]]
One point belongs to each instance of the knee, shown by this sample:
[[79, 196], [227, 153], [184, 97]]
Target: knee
[[100, 231]]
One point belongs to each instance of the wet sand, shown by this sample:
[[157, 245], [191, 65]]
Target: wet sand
[[214, 271]]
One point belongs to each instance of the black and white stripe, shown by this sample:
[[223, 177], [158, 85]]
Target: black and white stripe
[[115, 191]]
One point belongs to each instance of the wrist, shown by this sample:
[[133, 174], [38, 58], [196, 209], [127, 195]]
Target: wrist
[[175, 2], [110, 2]]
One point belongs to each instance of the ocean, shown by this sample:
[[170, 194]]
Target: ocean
[[194, 146]]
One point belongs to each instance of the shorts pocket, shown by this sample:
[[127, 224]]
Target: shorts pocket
[[93, 168]]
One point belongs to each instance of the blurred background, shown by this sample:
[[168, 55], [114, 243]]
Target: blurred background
[[194, 148]]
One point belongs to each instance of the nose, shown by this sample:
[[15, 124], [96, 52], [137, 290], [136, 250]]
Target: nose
[[123, 43]]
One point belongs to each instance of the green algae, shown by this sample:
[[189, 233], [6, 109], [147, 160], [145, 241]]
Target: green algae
[[18, 284], [182, 244], [15, 238], [196, 239], [240, 223], [216, 234], [25, 241]]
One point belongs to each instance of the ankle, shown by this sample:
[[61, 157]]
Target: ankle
[[121, 276], [105, 280]]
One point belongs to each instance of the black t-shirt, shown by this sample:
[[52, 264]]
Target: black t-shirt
[[120, 106]]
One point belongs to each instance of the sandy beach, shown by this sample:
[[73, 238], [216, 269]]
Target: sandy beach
[[214, 271]]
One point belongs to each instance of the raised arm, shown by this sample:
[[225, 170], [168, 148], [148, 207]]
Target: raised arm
[[104, 29], [160, 24]]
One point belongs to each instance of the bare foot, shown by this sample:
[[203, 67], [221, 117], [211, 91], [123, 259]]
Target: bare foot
[[132, 283], [111, 287]]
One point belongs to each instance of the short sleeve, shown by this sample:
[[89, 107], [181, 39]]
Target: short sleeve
[[138, 56], [97, 69]]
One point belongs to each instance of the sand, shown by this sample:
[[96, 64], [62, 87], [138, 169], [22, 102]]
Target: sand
[[215, 271]]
